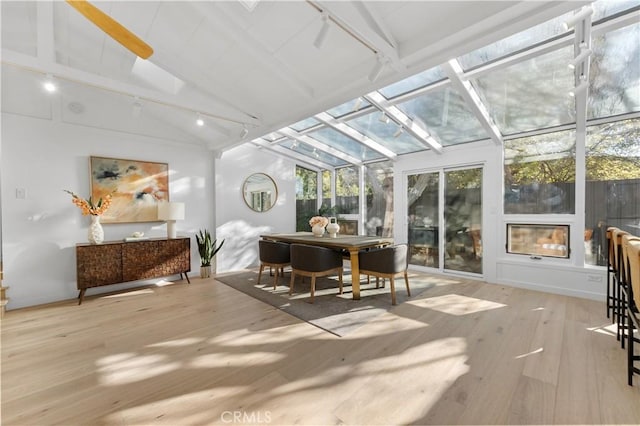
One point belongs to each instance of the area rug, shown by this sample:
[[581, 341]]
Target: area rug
[[335, 313]]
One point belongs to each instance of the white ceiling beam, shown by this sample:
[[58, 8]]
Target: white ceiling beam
[[470, 95], [46, 50], [354, 134], [98, 82], [417, 131], [290, 133], [226, 24]]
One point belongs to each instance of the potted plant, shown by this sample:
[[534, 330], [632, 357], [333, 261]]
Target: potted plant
[[207, 250]]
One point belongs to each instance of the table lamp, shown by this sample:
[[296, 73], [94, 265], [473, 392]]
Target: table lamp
[[170, 212]]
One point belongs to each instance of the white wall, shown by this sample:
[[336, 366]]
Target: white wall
[[237, 224], [44, 157]]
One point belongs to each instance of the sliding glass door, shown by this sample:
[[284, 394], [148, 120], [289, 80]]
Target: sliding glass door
[[449, 200]]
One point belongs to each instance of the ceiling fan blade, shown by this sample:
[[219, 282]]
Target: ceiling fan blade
[[113, 28]]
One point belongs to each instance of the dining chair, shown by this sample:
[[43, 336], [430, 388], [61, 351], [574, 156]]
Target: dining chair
[[274, 255], [314, 261], [387, 262]]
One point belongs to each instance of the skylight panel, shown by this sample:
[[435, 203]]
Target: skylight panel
[[515, 43], [414, 82], [304, 124], [614, 75], [446, 116], [389, 134], [530, 95], [345, 144], [309, 151], [605, 8], [348, 107]]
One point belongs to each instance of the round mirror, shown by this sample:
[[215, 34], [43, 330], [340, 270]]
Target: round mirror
[[260, 192]]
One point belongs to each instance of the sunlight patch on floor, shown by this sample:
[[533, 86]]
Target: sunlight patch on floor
[[127, 293], [201, 407], [219, 360], [609, 329], [455, 304], [537, 351], [187, 341], [129, 368]]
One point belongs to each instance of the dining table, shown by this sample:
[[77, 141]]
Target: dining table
[[343, 243]]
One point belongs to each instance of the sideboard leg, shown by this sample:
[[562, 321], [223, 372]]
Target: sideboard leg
[[186, 276], [81, 296]]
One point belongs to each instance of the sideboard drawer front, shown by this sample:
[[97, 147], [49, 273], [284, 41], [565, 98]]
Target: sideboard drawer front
[[174, 257], [140, 260], [98, 265]]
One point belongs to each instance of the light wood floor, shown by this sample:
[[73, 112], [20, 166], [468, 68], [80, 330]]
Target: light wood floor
[[464, 352]]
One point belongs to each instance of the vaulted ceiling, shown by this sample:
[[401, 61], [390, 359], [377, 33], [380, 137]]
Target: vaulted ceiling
[[236, 64]]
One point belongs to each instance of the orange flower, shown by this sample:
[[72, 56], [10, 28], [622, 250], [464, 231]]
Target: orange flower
[[318, 220], [88, 207]]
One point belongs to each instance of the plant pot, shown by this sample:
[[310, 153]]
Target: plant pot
[[205, 271]]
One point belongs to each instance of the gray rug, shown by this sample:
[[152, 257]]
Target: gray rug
[[335, 313]]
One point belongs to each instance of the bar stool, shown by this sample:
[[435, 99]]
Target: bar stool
[[625, 280], [633, 318], [617, 266], [611, 300]]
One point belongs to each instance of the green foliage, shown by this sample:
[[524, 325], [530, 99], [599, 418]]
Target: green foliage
[[206, 247]]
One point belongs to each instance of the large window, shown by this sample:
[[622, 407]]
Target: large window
[[379, 192], [348, 190], [306, 197], [613, 184], [539, 174]]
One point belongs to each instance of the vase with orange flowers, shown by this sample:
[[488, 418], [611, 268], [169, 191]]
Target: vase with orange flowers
[[95, 210], [317, 225]]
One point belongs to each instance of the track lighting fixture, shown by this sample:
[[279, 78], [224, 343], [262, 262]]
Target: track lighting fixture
[[573, 20], [377, 68], [398, 132], [584, 84], [199, 120], [582, 56], [244, 132], [324, 31], [49, 84], [384, 118], [358, 104]]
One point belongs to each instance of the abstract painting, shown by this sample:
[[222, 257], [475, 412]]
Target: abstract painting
[[136, 187]]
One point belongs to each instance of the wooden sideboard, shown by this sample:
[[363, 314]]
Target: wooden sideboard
[[114, 262]]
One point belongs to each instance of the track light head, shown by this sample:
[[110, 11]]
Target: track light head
[[582, 56], [244, 132], [579, 89], [398, 132], [384, 118], [573, 20]]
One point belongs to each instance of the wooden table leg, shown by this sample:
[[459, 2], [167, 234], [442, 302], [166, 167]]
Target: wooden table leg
[[81, 296], [355, 274]]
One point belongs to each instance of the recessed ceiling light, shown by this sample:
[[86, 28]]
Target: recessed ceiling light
[[49, 85]]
